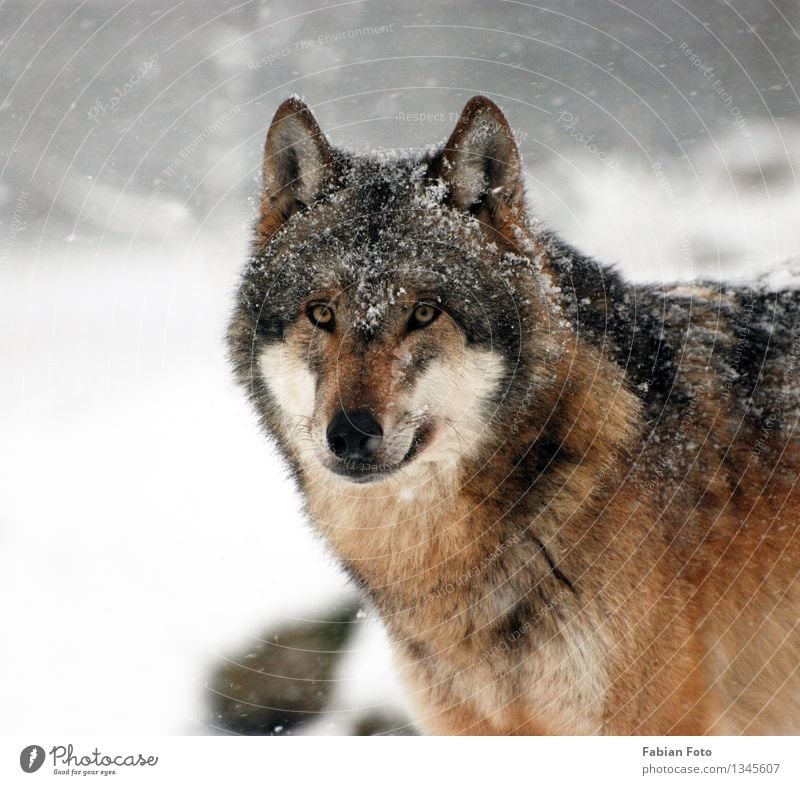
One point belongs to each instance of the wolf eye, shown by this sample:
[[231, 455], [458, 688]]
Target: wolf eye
[[321, 316], [422, 316]]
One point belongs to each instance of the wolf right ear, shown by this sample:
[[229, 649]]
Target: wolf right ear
[[481, 167], [299, 164]]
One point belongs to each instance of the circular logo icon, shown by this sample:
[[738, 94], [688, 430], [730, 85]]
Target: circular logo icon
[[31, 758]]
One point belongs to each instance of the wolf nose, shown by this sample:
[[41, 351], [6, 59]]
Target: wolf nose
[[354, 436]]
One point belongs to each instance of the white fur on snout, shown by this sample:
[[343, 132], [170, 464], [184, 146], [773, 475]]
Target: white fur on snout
[[453, 394], [291, 384]]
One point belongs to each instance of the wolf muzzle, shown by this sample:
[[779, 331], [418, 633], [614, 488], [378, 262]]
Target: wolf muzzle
[[354, 437]]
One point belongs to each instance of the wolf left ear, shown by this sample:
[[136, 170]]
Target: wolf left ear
[[299, 164], [481, 166]]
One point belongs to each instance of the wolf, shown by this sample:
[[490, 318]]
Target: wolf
[[571, 499]]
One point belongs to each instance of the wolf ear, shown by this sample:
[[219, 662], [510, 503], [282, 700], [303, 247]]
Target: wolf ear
[[299, 163], [481, 166]]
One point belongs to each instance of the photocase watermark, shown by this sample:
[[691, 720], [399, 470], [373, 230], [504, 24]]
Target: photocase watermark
[[523, 411], [569, 122], [608, 477], [719, 88], [323, 39], [670, 456], [487, 126], [101, 108], [31, 758], [350, 466], [510, 641], [66, 762], [16, 226], [421, 118], [472, 573], [186, 152], [675, 204], [788, 390], [744, 319]]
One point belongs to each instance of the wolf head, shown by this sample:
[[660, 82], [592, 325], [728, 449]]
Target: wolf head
[[393, 307]]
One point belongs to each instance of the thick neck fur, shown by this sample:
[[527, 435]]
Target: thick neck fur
[[435, 525], [476, 564]]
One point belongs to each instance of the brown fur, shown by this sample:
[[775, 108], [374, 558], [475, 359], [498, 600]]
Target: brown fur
[[585, 567]]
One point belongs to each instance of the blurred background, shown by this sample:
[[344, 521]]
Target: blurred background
[[156, 573]]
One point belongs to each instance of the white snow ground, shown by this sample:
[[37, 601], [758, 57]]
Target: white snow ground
[[146, 527]]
